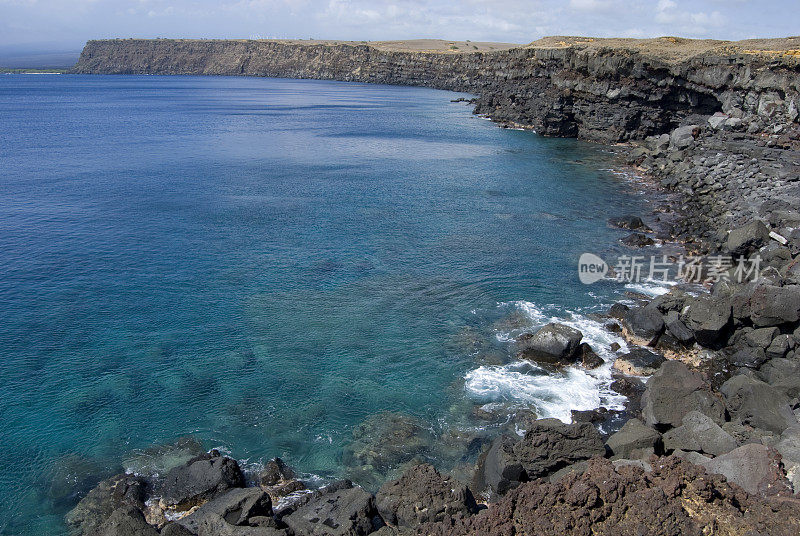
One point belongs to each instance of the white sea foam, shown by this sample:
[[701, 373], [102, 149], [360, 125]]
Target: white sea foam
[[651, 287], [551, 395]]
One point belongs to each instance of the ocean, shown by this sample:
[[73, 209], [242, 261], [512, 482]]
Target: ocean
[[264, 264]]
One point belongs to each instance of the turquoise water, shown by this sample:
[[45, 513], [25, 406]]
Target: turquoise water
[[265, 263]]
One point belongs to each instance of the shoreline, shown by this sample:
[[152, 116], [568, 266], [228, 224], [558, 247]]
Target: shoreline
[[734, 415]]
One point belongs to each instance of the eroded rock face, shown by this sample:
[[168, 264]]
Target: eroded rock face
[[676, 498], [423, 495], [558, 86]]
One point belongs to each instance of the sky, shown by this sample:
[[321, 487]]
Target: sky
[[66, 25]]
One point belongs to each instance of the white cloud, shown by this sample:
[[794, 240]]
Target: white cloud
[[485, 20]]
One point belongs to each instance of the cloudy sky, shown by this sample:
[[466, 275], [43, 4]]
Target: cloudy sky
[[68, 23]]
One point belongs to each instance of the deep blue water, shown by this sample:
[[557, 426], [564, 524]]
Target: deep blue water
[[265, 263]]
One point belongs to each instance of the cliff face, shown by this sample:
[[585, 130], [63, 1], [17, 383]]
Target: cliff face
[[601, 90]]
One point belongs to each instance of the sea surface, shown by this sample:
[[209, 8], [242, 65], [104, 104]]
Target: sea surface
[[263, 264]]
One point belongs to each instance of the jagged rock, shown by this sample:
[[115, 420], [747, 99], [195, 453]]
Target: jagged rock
[[639, 362], [674, 391], [234, 507], [744, 241], [756, 468], [783, 375], [278, 479], [753, 402], [199, 480], [549, 445], [676, 498], [126, 521], [589, 359], [275, 472], [789, 449], [638, 240], [554, 344], [692, 457], [173, 529], [633, 223], [677, 328], [633, 441], [645, 323], [110, 495], [683, 137], [761, 338], [699, 433], [774, 306], [618, 311], [779, 347], [749, 357], [422, 495], [338, 510], [709, 318]]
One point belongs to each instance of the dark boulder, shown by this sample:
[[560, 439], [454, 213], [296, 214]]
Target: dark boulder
[[699, 433], [278, 479], [552, 344], [199, 480], [618, 311], [780, 346], [753, 402], [234, 507], [645, 323], [423, 495], [634, 440], [677, 328], [774, 306], [633, 223], [674, 391], [638, 240], [588, 358], [747, 356], [111, 494], [275, 472], [744, 241], [337, 510], [173, 529], [756, 468], [639, 362], [783, 375], [761, 338], [126, 521], [710, 319], [549, 445]]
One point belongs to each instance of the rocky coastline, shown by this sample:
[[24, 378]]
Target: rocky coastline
[[711, 444]]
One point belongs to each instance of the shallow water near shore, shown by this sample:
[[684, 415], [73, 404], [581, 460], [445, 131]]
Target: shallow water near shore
[[263, 264]]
